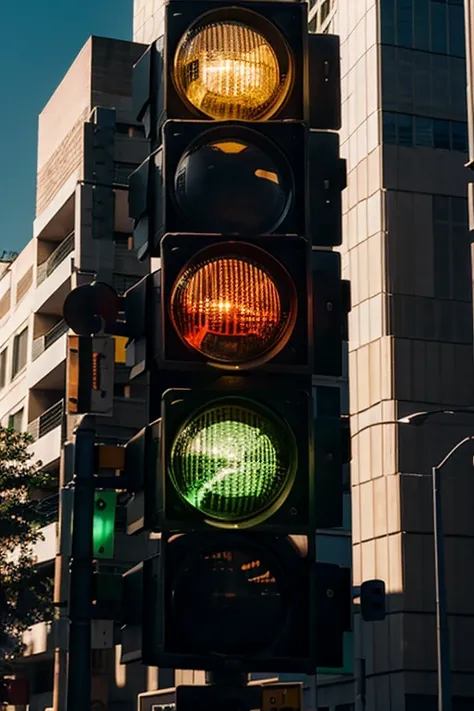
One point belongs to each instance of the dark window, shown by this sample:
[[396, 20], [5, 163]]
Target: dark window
[[423, 131], [441, 134], [388, 21], [451, 248], [405, 130], [421, 38], [459, 136], [389, 127], [3, 368], [405, 23], [312, 24], [457, 46], [439, 39], [325, 8], [15, 421], [20, 345]]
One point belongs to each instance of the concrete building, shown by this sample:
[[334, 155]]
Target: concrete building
[[33, 334], [406, 252]]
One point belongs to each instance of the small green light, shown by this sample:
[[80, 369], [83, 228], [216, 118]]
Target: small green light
[[103, 526], [233, 462]]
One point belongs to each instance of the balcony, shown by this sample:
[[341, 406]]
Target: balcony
[[42, 343], [53, 278], [54, 260], [47, 370], [47, 431]]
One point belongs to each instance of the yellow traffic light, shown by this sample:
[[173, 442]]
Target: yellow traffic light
[[228, 69]]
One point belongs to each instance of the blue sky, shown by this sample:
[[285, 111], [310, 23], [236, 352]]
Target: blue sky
[[39, 42]]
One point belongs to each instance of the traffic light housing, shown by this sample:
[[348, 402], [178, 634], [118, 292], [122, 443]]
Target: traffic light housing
[[240, 199]]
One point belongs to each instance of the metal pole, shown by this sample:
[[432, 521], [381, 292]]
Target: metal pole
[[442, 630], [61, 577], [79, 677]]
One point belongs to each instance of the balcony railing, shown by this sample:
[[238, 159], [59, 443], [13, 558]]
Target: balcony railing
[[42, 343], [48, 421], [49, 508], [55, 259]]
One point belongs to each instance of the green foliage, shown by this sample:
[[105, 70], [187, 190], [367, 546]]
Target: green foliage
[[28, 592]]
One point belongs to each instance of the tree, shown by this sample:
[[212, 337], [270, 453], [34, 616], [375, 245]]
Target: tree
[[27, 595]]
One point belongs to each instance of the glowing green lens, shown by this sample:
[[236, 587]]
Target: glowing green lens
[[232, 462]]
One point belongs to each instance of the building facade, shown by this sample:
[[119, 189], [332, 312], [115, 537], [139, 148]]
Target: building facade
[[406, 253]]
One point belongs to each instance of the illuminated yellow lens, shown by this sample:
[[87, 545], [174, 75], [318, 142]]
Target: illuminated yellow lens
[[228, 70]]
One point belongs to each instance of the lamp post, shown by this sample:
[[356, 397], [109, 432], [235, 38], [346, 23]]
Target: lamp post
[[442, 631]]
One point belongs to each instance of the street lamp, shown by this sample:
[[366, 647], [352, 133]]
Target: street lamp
[[442, 631]]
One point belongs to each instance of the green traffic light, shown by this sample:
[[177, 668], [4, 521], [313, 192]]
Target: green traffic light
[[234, 463], [103, 526]]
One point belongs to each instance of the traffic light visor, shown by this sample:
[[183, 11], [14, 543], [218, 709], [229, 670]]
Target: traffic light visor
[[234, 304], [233, 66], [234, 462]]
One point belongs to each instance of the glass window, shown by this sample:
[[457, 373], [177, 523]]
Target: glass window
[[457, 40], [389, 127], [423, 131], [441, 134], [312, 24], [3, 368], [405, 129], [421, 38], [387, 9], [459, 211], [459, 136], [20, 345], [15, 421], [405, 23], [439, 37], [325, 8]]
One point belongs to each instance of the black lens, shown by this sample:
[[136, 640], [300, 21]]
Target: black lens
[[229, 601], [233, 186]]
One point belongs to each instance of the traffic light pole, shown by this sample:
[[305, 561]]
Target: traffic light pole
[[79, 676]]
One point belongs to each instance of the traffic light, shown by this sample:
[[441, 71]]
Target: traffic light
[[236, 469], [103, 526]]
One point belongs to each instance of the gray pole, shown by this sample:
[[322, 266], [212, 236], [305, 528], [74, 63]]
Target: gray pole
[[79, 677], [442, 631]]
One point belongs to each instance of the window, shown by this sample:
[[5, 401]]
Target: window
[[15, 421], [389, 127], [421, 38], [387, 10], [405, 23], [457, 40], [408, 130], [20, 345], [439, 38], [325, 9], [428, 25], [440, 134], [3, 368], [423, 131], [451, 248], [405, 130], [459, 136]]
